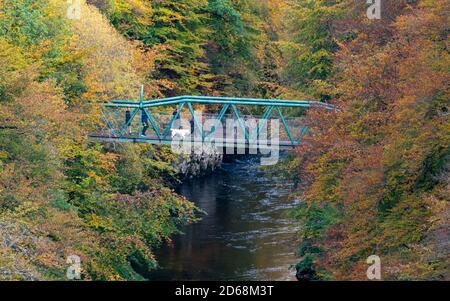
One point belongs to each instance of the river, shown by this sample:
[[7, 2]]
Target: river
[[247, 233]]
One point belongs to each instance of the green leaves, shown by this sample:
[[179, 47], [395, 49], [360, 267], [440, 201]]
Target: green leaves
[[42, 31], [131, 18], [311, 58]]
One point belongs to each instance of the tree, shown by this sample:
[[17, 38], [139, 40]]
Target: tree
[[379, 162], [310, 45]]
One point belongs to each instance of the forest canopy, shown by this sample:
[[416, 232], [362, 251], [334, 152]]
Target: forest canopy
[[373, 176]]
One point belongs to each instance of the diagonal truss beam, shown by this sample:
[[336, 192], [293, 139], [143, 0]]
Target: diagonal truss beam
[[241, 122], [108, 123], [303, 132], [194, 116], [264, 119], [153, 123], [174, 118], [286, 128], [218, 121], [126, 125]]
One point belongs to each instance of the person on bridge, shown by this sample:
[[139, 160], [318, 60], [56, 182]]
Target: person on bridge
[[192, 124], [145, 125], [128, 120], [175, 112]]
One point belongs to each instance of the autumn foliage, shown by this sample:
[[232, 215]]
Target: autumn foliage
[[373, 174], [375, 171], [60, 194]]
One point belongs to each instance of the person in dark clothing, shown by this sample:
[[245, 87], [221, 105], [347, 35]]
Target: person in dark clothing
[[145, 125], [192, 126], [127, 120], [174, 113]]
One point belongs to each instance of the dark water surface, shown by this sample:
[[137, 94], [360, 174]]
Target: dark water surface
[[247, 234]]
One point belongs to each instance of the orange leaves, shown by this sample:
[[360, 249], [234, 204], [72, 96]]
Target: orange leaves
[[53, 181], [391, 138]]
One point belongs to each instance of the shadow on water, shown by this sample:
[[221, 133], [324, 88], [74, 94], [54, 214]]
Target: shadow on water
[[247, 234]]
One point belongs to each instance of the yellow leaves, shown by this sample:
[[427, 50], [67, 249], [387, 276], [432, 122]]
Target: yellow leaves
[[144, 59], [25, 209], [3, 155], [108, 162], [51, 140], [11, 57], [115, 277], [99, 222], [15, 71], [98, 179], [109, 58], [138, 8]]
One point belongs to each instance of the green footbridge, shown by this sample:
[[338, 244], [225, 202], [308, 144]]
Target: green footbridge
[[153, 121]]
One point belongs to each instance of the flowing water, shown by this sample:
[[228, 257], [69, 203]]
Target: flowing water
[[247, 233]]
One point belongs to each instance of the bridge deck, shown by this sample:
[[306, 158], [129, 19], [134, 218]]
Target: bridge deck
[[219, 143]]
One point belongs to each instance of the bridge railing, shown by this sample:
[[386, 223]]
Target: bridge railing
[[114, 125], [208, 100]]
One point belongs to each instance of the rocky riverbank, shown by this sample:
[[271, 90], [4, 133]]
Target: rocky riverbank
[[199, 163]]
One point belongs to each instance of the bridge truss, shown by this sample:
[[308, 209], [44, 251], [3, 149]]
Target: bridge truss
[[124, 120]]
